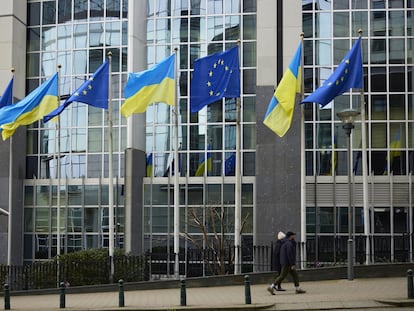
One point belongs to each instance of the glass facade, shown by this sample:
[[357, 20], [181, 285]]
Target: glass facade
[[330, 29], [198, 28], [77, 35]]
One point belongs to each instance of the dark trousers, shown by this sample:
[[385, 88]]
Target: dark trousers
[[283, 274]]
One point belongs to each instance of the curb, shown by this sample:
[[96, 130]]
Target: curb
[[397, 302], [251, 307]]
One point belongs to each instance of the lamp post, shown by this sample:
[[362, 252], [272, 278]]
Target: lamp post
[[347, 117]]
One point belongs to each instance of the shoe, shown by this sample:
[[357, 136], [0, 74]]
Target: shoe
[[279, 289], [300, 291], [270, 289]]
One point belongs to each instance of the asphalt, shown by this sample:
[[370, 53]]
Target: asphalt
[[342, 294]]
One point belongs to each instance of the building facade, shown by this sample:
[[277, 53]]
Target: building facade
[[276, 193]]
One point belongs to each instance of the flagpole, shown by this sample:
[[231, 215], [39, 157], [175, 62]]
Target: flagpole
[[176, 178], [302, 167], [9, 231], [111, 172], [58, 246], [364, 172], [237, 211]]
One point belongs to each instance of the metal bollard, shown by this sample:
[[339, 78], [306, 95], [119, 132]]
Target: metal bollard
[[121, 293], [6, 297], [247, 294], [410, 287], [62, 303], [183, 296]]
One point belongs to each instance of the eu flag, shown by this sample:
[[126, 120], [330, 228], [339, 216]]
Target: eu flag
[[7, 97], [230, 165], [93, 92], [215, 76], [348, 75]]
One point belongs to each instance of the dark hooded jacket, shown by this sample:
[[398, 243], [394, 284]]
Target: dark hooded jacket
[[276, 266], [288, 253]]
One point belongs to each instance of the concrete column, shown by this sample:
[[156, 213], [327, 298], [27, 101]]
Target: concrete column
[[135, 160], [13, 55], [277, 159]]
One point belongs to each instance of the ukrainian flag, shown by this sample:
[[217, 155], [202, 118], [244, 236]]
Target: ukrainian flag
[[7, 97], [149, 165], [30, 109], [154, 85], [395, 146], [279, 114], [203, 163]]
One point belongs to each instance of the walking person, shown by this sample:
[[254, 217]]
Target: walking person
[[276, 266], [288, 262]]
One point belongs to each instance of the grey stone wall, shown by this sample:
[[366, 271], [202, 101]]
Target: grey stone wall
[[135, 166], [278, 175], [18, 174]]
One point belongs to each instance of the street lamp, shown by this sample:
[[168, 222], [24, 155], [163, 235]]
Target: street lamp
[[347, 117]]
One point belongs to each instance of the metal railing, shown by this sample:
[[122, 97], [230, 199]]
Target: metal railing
[[321, 251], [49, 274]]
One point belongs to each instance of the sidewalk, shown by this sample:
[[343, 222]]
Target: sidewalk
[[332, 294]]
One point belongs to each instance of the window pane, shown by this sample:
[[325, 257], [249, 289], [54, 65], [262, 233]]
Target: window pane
[[81, 9], [42, 220], [249, 136], [97, 8], [359, 20], [379, 107], [32, 64], [249, 27], [341, 24], [33, 39], [379, 135], [397, 79], [94, 166], [113, 8], [397, 107], [249, 112], [382, 220], [400, 219], [64, 10], [94, 140], [49, 12], [33, 14]]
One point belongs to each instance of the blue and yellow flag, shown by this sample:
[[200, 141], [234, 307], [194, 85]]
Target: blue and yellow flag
[[7, 97], [155, 85], [93, 92], [149, 165], [215, 76], [30, 109], [348, 75], [279, 113], [203, 163], [395, 147]]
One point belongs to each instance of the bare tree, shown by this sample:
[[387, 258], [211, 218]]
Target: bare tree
[[214, 242]]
